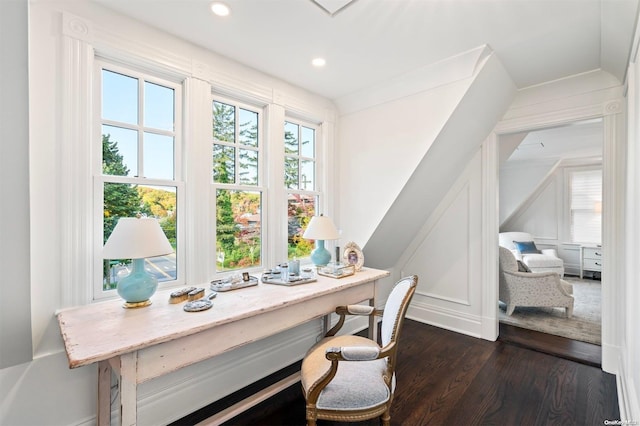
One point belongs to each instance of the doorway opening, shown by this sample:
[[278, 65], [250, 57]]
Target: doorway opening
[[550, 186]]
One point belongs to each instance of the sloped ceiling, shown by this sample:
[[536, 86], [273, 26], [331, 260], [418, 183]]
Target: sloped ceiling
[[583, 139], [370, 41]]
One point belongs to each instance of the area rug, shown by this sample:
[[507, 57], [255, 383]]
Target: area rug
[[584, 325]]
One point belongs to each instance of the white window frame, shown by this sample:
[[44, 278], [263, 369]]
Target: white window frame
[[261, 186], [99, 179], [319, 176], [569, 171]]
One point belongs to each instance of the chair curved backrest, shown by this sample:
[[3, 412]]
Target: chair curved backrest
[[508, 261], [396, 307], [394, 312]]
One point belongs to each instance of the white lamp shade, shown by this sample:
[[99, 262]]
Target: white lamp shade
[[321, 228], [134, 238]]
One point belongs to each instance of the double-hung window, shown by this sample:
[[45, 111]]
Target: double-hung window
[[237, 182], [301, 183], [586, 205], [139, 169]]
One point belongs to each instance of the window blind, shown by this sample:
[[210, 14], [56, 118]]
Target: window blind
[[586, 206]]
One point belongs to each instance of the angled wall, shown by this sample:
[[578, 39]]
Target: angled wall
[[519, 183], [416, 147], [414, 199]]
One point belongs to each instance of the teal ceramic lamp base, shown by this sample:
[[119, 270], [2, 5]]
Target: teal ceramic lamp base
[[320, 256], [137, 287]]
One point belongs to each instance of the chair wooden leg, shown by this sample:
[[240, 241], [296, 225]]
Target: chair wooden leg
[[311, 416], [386, 418]]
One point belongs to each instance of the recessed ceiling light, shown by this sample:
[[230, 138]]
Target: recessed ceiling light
[[318, 62], [220, 9]]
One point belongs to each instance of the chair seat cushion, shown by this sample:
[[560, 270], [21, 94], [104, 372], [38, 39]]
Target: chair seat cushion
[[542, 261], [357, 385]]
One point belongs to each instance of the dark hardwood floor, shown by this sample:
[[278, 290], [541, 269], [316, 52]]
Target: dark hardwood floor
[[586, 353], [445, 378]]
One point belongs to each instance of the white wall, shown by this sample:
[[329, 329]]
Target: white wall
[[519, 181], [629, 378], [381, 145], [380, 149], [15, 321], [447, 256]]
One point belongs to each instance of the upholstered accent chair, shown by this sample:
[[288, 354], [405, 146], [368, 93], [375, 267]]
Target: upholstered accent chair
[[545, 260], [352, 378], [533, 289]]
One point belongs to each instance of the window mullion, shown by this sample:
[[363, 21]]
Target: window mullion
[[140, 123], [199, 236], [277, 199]]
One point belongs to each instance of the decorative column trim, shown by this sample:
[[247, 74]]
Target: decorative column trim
[[613, 107], [76, 213], [613, 235], [198, 209], [490, 229], [77, 28]]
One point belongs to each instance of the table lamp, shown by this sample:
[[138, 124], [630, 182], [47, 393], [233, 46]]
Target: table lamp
[[321, 228], [136, 239]]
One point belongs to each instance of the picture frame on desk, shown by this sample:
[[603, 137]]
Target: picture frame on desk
[[353, 255]]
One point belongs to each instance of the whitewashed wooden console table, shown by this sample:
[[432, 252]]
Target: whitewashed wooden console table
[[145, 343]]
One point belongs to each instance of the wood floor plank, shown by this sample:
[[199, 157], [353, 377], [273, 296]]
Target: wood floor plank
[[496, 390], [432, 396]]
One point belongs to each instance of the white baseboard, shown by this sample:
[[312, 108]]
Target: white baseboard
[[471, 325], [610, 358], [627, 396]]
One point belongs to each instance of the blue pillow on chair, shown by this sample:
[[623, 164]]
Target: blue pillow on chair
[[525, 247]]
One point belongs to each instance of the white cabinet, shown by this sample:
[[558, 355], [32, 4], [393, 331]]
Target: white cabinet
[[571, 253], [590, 259]]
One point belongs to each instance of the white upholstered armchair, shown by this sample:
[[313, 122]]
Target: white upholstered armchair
[[352, 378], [545, 260], [534, 289]]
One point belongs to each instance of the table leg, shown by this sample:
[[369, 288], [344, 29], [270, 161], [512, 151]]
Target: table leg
[[373, 323], [128, 389], [103, 417], [326, 324]]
